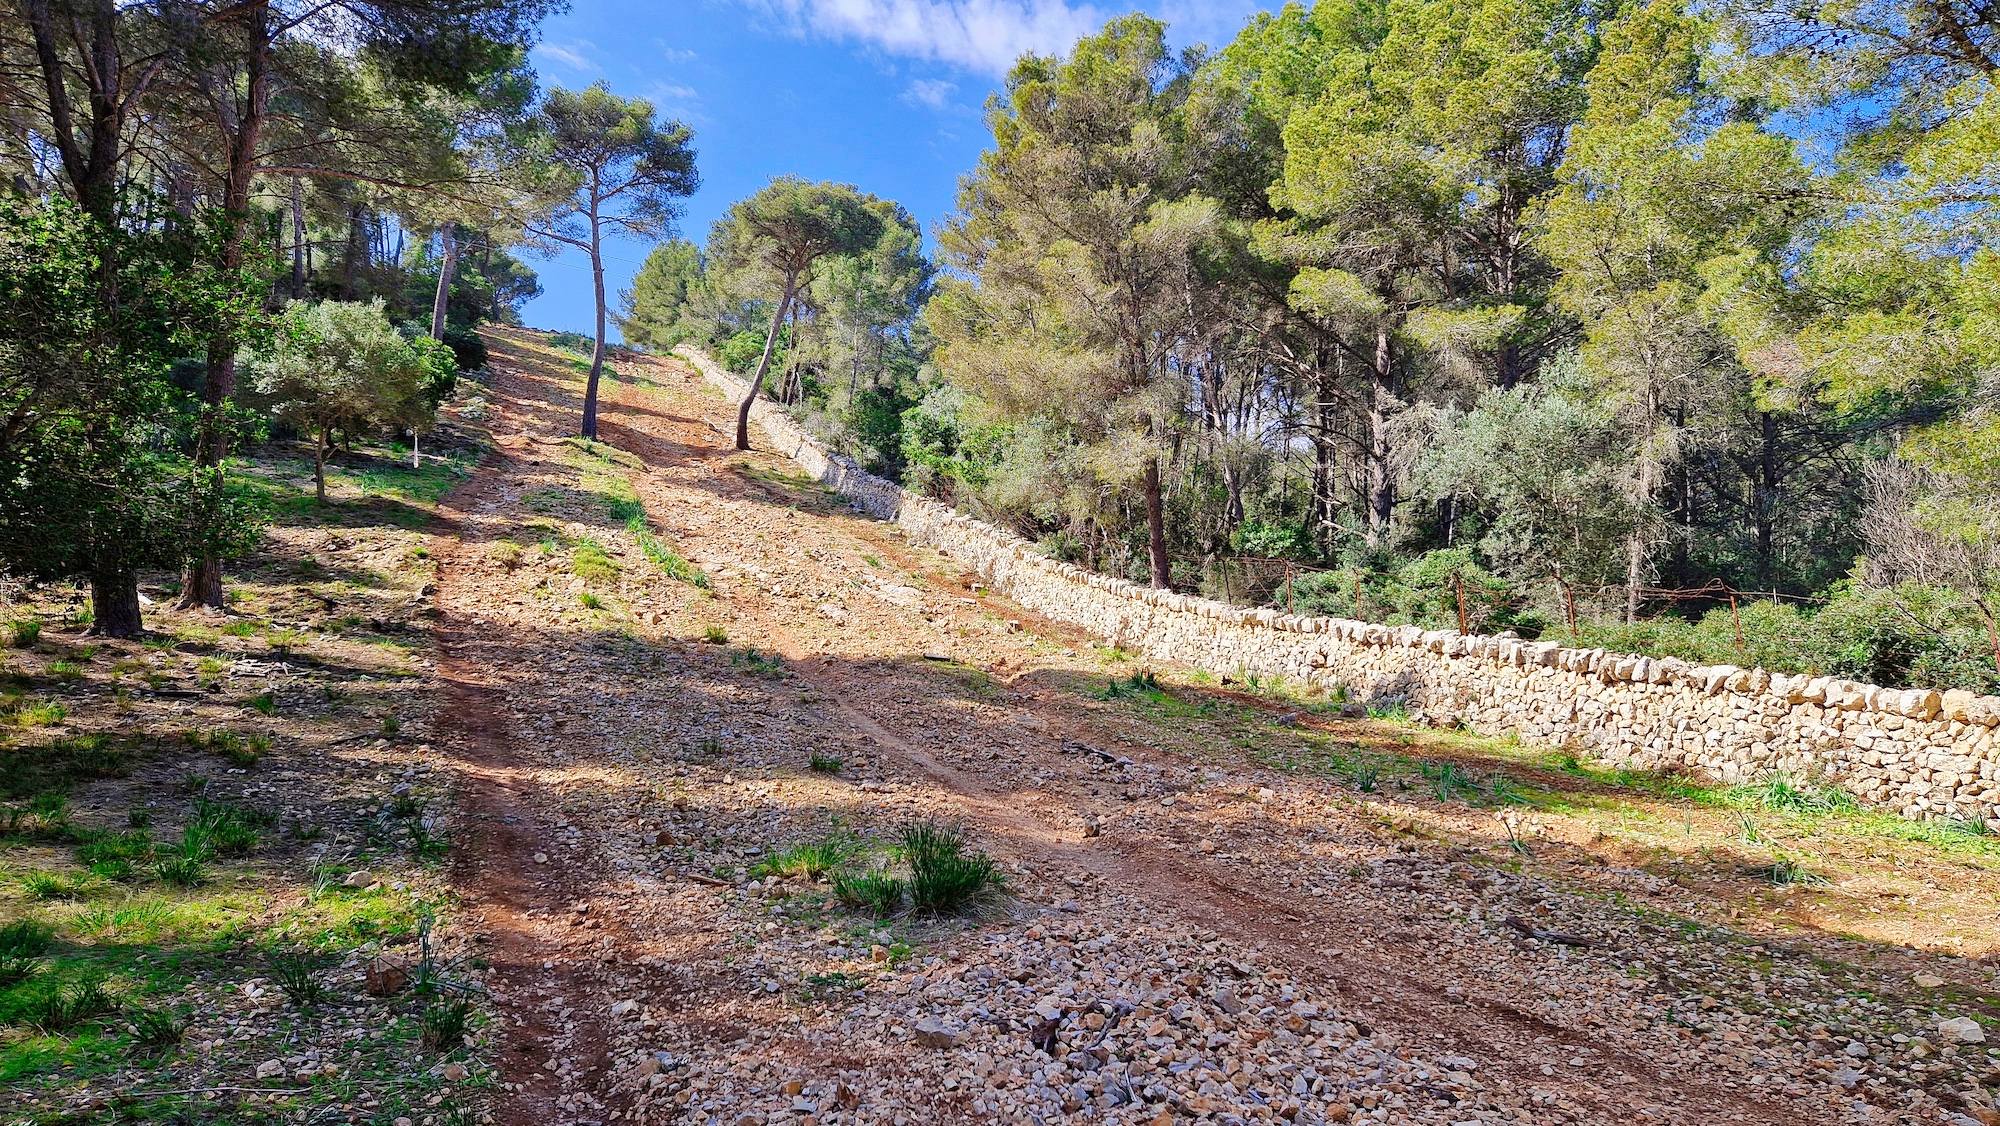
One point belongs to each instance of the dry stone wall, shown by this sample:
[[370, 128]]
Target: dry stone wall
[[1920, 753]]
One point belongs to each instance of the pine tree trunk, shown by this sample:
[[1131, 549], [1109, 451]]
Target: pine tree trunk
[[597, 353], [1156, 528], [763, 367], [1381, 449], [319, 463], [114, 605], [441, 302], [298, 241], [357, 249], [201, 583]]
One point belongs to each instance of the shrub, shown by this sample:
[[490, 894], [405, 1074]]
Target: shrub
[[824, 764], [26, 632]]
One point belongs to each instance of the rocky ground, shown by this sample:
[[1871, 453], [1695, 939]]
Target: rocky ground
[[601, 727], [1217, 908]]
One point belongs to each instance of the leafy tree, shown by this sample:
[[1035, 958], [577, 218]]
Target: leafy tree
[[1655, 201], [611, 167], [770, 243], [340, 365], [1082, 237], [660, 294], [94, 486]]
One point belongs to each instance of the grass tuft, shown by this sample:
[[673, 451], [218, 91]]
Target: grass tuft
[[877, 892], [298, 976], [181, 872], [1780, 793], [945, 878], [812, 860], [57, 1009], [155, 1032], [445, 1022], [46, 887]]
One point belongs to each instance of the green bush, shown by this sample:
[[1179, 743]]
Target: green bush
[[741, 352]]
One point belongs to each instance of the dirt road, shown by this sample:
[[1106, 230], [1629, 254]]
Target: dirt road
[[1191, 932]]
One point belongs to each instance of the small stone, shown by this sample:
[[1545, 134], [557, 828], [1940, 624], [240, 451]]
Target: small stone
[[271, 1069], [625, 1008], [541, 858], [1927, 981], [1857, 1050], [1961, 1030], [386, 979], [934, 1033], [403, 1120], [878, 953], [792, 1087], [362, 879], [1206, 845], [453, 1072]]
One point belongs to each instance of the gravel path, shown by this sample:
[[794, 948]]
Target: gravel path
[[1189, 936]]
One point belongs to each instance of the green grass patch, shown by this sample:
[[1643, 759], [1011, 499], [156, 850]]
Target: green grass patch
[[669, 561], [64, 763], [590, 563], [814, 859]]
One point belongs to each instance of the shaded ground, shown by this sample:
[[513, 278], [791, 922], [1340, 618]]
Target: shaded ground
[[207, 837]]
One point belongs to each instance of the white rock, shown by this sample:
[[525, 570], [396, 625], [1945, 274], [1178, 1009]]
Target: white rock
[[1962, 1030], [362, 879], [270, 1069]]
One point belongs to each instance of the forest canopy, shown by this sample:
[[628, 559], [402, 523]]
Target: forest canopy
[[1657, 326]]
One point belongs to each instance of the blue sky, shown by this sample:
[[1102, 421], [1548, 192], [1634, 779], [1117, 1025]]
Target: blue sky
[[883, 94]]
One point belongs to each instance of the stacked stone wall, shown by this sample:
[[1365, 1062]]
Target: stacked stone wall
[[1917, 752]]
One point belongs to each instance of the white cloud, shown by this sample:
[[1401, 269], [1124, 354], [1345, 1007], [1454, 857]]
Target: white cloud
[[980, 35], [929, 91], [662, 92], [570, 55], [674, 54]]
